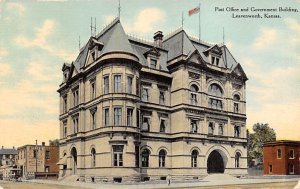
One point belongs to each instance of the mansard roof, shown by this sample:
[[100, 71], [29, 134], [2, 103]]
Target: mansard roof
[[7, 151], [113, 39]]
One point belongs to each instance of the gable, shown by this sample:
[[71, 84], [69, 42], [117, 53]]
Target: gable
[[239, 72]]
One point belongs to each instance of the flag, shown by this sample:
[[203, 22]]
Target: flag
[[194, 11]]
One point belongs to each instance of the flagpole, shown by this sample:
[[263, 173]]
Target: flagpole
[[199, 22]]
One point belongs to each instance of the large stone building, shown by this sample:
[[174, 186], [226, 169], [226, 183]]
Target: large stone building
[[137, 110]]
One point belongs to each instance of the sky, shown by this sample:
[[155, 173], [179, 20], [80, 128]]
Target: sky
[[37, 37]]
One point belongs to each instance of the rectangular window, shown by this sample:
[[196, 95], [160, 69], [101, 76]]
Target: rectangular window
[[270, 168], [93, 120], [279, 153], [236, 107], [291, 154], [34, 153], [212, 60], [193, 98], [117, 116], [65, 129], [47, 154], [129, 84], [153, 63], [146, 124], [291, 169], [65, 104], [75, 97], [137, 156], [106, 117], [93, 89], [211, 127], [117, 84], [194, 127], [46, 169], [118, 155], [215, 104], [162, 97], [138, 118], [237, 131], [145, 94], [106, 85], [75, 124], [162, 128], [129, 116], [221, 129]]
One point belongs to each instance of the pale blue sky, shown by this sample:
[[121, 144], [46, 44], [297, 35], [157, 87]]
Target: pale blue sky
[[37, 37]]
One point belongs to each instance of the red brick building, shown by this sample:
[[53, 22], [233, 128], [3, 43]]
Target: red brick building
[[282, 158]]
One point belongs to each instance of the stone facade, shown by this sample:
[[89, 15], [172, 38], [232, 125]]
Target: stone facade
[[281, 158], [133, 110]]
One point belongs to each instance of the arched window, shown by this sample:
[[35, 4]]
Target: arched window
[[194, 89], [162, 158], [194, 157], [216, 92], [236, 99], [237, 159], [145, 157], [93, 155]]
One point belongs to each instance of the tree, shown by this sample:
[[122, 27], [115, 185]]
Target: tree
[[262, 134], [54, 142]]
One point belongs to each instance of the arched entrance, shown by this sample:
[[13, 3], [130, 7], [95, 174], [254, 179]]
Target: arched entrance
[[74, 160], [215, 163]]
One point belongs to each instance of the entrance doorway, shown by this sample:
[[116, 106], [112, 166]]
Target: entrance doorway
[[74, 160], [215, 163]]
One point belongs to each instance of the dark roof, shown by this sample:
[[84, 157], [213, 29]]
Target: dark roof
[[114, 39], [282, 142], [7, 151]]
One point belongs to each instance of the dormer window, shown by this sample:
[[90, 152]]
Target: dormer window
[[94, 55], [153, 63], [65, 76], [215, 60]]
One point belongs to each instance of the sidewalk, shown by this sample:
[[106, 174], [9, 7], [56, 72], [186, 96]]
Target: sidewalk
[[216, 180]]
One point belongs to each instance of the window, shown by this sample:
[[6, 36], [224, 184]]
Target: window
[[106, 117], [162, 127], [237, 160], [129, 84], [194, 89], [75, 97], [215, 60], [118, 155], [138, 118], [194, 157], [129, 116], [279, 153], [215, 104], [106, 85], [93, 157], [145, 157], [34, 153], [94, 55], [211, 127], [65, 104], [215, 90], [117, 116], [145, 94], [47, 154], [291, 154], [93, 89], [146, 124], [221, 129], [162, 97], [270, 168], [137, 156], [291, 169], [93, 119], [236, 99], [194, 126], [47, 169], [162, 158], [153, 63], [75, 124], [117, 84], [65, 129], [237, 131]]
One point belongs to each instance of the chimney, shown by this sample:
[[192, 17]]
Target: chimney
[[13, 147], [2, 147], [158, 38], [43, 143]]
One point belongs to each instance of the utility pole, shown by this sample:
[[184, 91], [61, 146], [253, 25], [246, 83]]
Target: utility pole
[[35, 157]]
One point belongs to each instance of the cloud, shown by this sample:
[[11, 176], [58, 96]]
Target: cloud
[[3, 52], [5, 69], [40, 41], [148, 20], [266, 38], [15, 7], [109, 18], [41, 72]]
